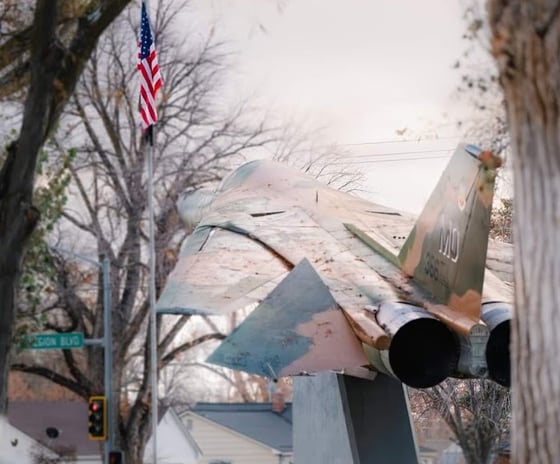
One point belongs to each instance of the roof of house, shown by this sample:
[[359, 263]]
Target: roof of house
[[254, 420], [70, 418]]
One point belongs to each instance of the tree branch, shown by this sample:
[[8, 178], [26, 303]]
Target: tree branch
[[53, 376], [189, 345]]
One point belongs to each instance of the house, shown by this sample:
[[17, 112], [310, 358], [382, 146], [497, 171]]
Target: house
[[427, 455], [241, 433], [175, 445], [453, 454], [16, 446], [250, 433], [61, 427]]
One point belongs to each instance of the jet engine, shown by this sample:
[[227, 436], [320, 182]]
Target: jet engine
[[497, 316], [423, 350]]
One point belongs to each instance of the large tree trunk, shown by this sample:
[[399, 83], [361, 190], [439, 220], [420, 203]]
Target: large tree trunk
[[17, 215], [54, 71], [526, 44]]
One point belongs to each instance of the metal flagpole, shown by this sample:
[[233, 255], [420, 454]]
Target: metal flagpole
[[150, 83], [152, 292]]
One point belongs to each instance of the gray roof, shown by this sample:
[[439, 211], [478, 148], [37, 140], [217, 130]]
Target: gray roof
[[70, 418], [254, 420]]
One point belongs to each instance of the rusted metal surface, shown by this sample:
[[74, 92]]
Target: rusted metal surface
[[367, 329], [269, 224], [231, 273], [446, 250], [297, 329]]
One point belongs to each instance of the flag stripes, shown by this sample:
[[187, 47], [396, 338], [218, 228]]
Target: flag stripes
[[150, 75]]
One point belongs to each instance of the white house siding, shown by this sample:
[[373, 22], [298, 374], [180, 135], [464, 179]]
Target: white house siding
[[173, 444], [17, 447], [218, 443]]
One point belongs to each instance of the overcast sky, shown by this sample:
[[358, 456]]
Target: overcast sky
[[362, 69]]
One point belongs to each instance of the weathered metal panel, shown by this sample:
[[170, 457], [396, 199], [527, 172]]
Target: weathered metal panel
[[266, 218], [446, 251], [230, 273], [298, 328]]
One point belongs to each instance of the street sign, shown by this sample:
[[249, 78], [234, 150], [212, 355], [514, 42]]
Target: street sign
[[56, 341]]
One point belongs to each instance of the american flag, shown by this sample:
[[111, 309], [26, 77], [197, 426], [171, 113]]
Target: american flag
[[150, 76]]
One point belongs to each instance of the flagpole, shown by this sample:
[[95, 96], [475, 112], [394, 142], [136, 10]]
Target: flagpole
[[150, 83], [152, 292]]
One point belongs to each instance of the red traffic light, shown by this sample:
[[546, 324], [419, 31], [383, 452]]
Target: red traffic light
[[94, 406], [97, 418], [116, 457]]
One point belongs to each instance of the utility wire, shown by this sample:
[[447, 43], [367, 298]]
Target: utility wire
[[396, 153], [381, 142], [419, 158]]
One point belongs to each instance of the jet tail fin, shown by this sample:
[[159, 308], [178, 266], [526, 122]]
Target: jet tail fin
[[298, 328], [446, 250]]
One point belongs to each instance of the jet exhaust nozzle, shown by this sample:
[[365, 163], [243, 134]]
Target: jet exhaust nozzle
[[497, 316], [423, 351]]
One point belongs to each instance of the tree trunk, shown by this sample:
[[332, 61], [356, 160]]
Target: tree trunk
[[17, 215], [525, 43], [54, 71]]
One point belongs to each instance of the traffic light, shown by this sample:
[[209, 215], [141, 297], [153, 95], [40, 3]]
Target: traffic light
[[97, 417], [116, 457]]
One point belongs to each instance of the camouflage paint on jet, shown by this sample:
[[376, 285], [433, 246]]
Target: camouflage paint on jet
[[446, 250], [334, 282]]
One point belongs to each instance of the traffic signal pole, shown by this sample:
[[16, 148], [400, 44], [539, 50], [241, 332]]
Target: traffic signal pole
[[108, 355], [106, 342]]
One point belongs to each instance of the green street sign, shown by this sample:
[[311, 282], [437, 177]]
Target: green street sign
[[56, 341]]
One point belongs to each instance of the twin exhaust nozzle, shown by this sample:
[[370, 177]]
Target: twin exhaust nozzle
[[424, 351]]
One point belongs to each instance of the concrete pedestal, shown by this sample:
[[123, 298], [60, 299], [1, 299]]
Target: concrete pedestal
[[347, 420]]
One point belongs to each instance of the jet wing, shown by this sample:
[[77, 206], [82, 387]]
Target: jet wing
[[261, 224], [328, 275], [235, 259], [218, 272], [297, 329]]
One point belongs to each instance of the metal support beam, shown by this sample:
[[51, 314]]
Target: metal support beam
[[347, 420], [108, 355], [94, 341]]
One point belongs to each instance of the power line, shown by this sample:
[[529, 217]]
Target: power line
[[418, 158], [397, 153], [381, 142]]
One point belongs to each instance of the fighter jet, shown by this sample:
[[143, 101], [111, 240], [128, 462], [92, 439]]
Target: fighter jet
[[342, 284]]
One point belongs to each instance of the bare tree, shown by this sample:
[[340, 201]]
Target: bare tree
[[525, 38], [479, 87], [230, 385], [47, 72], [195, 139], [301, 149], [53, 455], [477, 411]]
